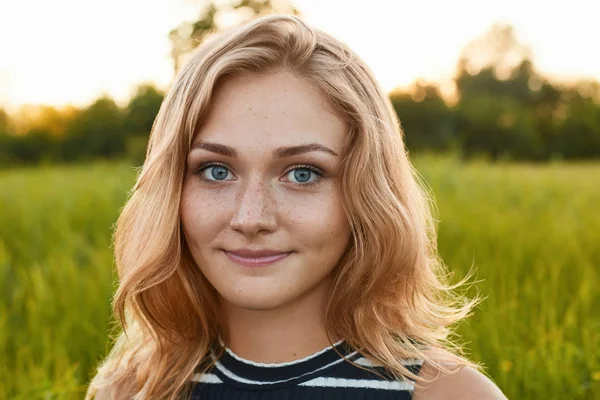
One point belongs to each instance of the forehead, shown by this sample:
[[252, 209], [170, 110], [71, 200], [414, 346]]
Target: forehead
[[270, 110]]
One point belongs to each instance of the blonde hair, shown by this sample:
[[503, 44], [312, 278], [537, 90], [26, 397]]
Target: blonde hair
[[402, 305]]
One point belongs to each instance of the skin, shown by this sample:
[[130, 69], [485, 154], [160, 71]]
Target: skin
[[465, 384], [275, 313]]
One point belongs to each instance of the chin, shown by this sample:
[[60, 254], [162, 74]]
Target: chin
[[256, 300]]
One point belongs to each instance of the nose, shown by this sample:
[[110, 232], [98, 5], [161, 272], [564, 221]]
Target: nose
[[255, 209]]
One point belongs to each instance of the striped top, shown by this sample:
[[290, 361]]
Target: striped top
[[323, 375]]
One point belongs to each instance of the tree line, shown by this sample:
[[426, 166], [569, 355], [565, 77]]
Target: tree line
[[503, 108], [101, 131], [500, 107]]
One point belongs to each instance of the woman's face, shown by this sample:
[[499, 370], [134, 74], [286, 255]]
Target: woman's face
[[262, 174]]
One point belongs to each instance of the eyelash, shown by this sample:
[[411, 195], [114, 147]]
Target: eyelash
[[199, 171]]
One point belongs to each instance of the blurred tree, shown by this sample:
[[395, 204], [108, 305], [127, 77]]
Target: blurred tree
[[497, 64], [516, 85], [97, 131], [42, 118], [577, 134], [142, 110], [217, 15], [426, 120], [497, 126], [497, 49], [5, 122], [495, 71], [546, 104], [35, 147], [140, 115], [52, 121]]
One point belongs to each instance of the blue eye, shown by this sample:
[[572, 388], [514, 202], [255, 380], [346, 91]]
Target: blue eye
[[218, 172], [300, 174], [303, 174], [212, 172]]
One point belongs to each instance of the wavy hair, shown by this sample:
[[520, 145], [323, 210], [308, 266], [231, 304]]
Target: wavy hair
[[402, 303]]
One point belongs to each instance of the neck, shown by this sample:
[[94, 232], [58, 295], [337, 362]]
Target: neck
[[287, 333]]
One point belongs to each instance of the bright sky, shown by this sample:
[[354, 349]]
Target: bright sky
[[72, 51]]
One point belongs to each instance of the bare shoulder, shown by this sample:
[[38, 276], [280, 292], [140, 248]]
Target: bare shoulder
[[465, 384]]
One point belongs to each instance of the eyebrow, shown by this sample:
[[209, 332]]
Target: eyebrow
[[280, 152]]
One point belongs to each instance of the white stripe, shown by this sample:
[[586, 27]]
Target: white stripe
[[359, 383], [206, 378], [412, 362], [367, 362], [283, 364], [235, 377]]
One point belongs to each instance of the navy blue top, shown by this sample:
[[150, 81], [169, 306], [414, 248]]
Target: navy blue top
[[323, 375]]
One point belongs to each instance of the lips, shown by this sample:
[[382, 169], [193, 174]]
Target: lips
[[255, 261]]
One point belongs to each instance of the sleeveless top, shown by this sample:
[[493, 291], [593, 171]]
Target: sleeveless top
[[324, 375]]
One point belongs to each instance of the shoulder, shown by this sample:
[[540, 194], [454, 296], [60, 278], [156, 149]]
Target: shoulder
[[464, 383]]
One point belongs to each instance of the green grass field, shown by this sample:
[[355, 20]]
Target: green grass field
[[532, 232]]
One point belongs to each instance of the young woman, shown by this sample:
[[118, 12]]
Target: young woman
[[277, 243]]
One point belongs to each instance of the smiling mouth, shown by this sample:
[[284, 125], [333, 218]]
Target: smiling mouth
[[256, 261]]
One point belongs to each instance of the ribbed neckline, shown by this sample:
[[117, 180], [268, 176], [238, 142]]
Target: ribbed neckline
[[242, 372]]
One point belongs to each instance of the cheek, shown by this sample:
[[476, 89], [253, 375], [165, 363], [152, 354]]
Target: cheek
[[203, 214], [320, 221]]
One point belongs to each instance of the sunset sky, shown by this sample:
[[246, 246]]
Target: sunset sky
[[72, 51]]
